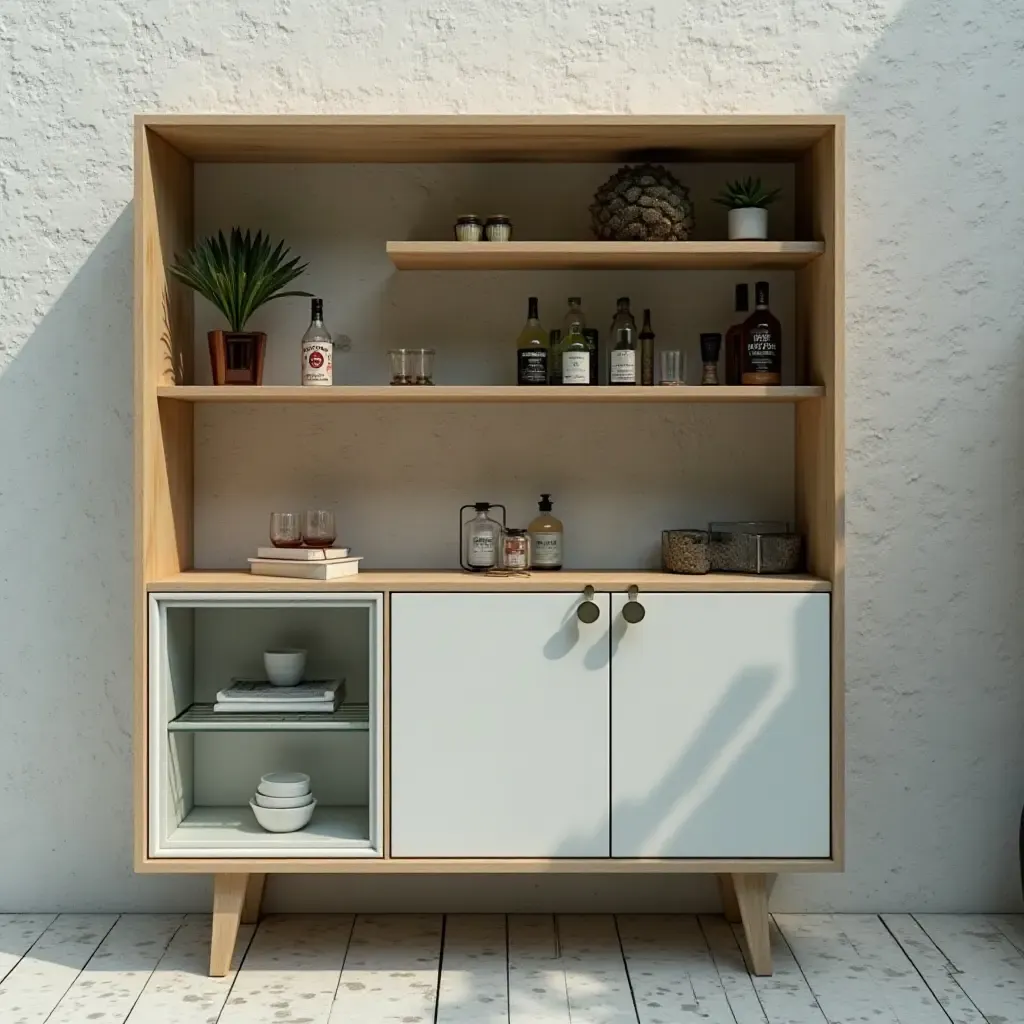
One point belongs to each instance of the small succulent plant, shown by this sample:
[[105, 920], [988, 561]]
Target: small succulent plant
[[238, 275], [746, 193]]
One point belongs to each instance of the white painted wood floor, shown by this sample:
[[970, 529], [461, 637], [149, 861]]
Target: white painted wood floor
[[461, 969]]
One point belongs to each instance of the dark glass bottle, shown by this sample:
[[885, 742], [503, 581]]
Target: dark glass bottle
[[762, 342], [532, 349], [647, 351], [734, 338]]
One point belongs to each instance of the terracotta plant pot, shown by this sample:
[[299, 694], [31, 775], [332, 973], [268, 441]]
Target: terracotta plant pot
[[237, 358]]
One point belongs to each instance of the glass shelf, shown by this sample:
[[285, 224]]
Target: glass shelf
[[202, 718]]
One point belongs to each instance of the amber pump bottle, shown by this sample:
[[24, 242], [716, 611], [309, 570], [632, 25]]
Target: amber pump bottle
[[546, 538]]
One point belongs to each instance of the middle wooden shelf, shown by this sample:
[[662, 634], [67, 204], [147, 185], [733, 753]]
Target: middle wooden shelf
[[441, 394]]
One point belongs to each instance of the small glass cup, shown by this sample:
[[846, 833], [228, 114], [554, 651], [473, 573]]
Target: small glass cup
[[318, 530], [422, 365], [672, 364], [286, 529], [402, 370]]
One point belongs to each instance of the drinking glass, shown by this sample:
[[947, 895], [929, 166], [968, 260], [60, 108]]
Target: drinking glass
[[318, 530], [672, 363], [285, 529]]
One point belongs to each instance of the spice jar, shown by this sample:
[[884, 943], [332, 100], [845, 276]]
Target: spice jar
[[498, 228], [516, 550], [469, 228]]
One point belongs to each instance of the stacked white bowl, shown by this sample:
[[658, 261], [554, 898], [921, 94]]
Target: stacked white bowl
[[283, 801]]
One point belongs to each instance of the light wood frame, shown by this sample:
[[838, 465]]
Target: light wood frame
[[166, 149]]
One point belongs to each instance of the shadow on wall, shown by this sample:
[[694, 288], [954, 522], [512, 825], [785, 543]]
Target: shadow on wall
[[936, 487], [66, 554]]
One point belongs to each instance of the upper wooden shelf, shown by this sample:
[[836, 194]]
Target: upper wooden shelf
[[488, 394], [602, 255], [326, 138], [565, 581]]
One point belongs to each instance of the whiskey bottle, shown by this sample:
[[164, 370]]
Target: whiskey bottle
[[622, 368], [647, 351], [575, 357], [762, 342], [532, 349], [734, 337]]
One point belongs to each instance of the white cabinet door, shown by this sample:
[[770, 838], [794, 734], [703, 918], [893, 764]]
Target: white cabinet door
[[720, 726], [499, 726]]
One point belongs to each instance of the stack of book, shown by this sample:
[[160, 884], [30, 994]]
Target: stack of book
[[245, 696], [304, 563]]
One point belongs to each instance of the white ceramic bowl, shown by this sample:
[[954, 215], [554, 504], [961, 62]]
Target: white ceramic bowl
[[284, 784], [285, 665], [282, 801], [283, 819]]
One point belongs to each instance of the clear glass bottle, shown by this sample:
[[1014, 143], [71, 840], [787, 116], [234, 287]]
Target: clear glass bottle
[[515, 550], [623, 320], [546, 537], [576, 356], [532, 349], [482, 536], [623, 358], [317, 350], [573, 315]]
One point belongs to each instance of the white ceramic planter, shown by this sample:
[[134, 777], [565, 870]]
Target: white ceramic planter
[[748, 223]]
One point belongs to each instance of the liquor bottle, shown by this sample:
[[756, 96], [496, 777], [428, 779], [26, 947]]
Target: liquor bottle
[[575, 357], [317, 350], [647, 351], [532, 349], [546, 537], [622, 369], [555, 356], [623, 319], [762, 342], [590, 336], [734, 338]]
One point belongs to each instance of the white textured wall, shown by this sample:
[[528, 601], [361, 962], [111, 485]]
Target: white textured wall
[[935, 461]]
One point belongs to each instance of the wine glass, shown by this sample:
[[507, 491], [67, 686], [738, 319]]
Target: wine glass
[[318, 530]]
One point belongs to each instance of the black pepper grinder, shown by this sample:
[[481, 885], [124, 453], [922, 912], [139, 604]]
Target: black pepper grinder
[[710, 348]]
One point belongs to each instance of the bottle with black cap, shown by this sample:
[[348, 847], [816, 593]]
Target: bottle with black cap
[[546, 537]]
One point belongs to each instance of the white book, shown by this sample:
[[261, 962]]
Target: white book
[[275, 707], [303, 554], [304, 570], [254, 691]]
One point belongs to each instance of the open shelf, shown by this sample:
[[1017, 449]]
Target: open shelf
[[602, 255], [219, 830], [203, 718], [230, 581], [488, 394]]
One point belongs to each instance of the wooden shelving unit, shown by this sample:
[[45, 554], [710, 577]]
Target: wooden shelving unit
[[447, 394], [167, 149], [603, 255]]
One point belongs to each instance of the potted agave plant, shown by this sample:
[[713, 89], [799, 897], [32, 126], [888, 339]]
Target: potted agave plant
[[747, 202], [238, 275]]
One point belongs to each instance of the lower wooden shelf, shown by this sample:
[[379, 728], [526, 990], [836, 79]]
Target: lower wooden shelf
[[233, 831], [203, 718], [384, 581]]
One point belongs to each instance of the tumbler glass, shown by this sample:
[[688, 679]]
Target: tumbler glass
[[285, 529], [318, 530], [672, 364]]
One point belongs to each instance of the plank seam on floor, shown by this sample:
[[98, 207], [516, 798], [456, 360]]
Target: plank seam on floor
[[714, 961], [508, 973], [935, 995], [625, 965], [440, 967], [117, 917], [341, 970], [799, 966]]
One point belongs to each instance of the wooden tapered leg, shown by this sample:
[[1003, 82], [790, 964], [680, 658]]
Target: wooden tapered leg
[[228, 900], [730, 908], [253, 899], [752, 898]]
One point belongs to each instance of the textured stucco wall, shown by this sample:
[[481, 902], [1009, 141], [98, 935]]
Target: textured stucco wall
[[935, 460]]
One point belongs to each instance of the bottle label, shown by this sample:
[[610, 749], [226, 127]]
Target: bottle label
[[575, 367], [317, 362], [623, 366], [547, 548], [533, 366], [762, 361], [515, 559], [481, 550]]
